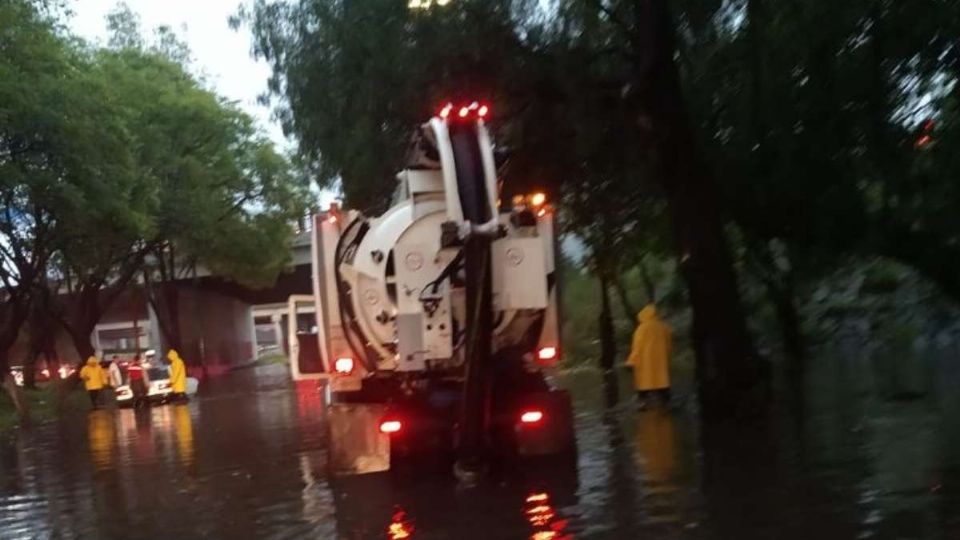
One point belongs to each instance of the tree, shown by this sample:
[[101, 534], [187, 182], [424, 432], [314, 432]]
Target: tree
[[63, 145], [772, 125], [24, 172], [239, 230], [111, 226], [354, 77], [638, 38], [206, 189], [826, 177]]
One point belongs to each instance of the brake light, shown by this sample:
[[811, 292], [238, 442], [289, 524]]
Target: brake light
[[531, 417], [547, 353], [470, 111], [390, 426], [343, 365]]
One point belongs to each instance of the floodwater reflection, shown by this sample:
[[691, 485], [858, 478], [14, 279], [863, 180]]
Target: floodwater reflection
[[656, 446], [102, 437], [400, 527], [543, 518], [183, 425], [248, 460]]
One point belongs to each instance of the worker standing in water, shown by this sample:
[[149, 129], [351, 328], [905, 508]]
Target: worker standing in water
[[178, 376], [116, 376], [139, 383], [650, 356], [93, 380]]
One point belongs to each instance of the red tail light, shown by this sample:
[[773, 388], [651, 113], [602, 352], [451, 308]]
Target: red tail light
[[531, 417], [390, 426], [343, 365], [471, 111], [547, 353]]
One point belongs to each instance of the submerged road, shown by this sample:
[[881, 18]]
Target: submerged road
[[247, 460]]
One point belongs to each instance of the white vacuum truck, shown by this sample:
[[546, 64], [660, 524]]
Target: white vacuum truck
[[437, 322]]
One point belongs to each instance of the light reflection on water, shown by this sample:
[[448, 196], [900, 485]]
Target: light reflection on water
[[248, 461]]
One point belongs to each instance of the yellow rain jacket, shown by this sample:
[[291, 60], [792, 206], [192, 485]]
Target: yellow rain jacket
[[92, 374], [178, 373], [650, 352]]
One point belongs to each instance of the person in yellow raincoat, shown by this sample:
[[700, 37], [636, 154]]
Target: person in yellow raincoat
[[650, 355], [93, 380], [178, 376]]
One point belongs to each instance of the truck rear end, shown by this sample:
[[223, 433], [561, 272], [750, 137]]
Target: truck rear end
[[437, 322]]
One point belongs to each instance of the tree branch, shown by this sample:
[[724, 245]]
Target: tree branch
[[613, 17]]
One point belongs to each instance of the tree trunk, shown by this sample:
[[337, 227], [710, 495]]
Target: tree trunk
[[42, 343], [80, 336], [165, 301], [608, 345], [648, 284], [732, 379], [629, 310], [86, 315], [12, 315], [30, 371], [20, 403], [790, 331]]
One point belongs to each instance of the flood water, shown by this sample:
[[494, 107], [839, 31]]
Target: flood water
[[246, 460]]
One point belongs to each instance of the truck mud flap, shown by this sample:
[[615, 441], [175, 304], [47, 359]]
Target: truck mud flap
[[356, 445]]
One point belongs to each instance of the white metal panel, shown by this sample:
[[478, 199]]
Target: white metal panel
[[418, 265], [424, 181], [325, 290], [550, 333], [546, 230], [519, 274], [369, 276], [415, 267], [411, 349]]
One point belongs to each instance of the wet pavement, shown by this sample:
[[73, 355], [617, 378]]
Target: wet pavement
[[247, 460]]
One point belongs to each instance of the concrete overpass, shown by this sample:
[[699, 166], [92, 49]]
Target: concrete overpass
[[222, 323]]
